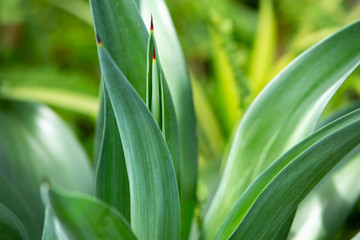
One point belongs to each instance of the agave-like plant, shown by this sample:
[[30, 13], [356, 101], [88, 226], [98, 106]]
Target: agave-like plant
[[146, 153]]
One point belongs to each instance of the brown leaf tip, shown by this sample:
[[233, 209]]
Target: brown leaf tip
[[151, 24], [98, 40], [154, 55]]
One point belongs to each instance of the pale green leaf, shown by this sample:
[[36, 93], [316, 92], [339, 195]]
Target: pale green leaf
[[286, 111], [289, 179]]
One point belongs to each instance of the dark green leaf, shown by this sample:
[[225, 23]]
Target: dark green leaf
[[10, 226]]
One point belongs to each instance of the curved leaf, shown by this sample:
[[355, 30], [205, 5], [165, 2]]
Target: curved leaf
[[84, 217], [175, 70], [289, 179], [35, 144], [322, 213], [10, 226], [11, 199], [285, 112], [154, 194]]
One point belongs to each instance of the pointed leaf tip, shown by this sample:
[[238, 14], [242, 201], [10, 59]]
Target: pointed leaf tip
[[98, 40], [154, 55], [151, 24]]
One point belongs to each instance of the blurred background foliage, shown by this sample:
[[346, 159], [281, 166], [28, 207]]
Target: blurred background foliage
[[233, 49]]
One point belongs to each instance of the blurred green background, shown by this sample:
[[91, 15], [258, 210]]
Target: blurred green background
[[233, 49]]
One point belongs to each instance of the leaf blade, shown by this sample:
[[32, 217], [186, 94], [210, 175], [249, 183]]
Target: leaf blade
[[286, 111], [152, 177]]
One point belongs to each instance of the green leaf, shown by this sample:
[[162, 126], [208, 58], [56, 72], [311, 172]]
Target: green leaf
[[153, 188], [286, 111], [71, 91], [11, 199], [123, 33], [160, 103], [322, 213], [85, 217], [35, 144], [175, 70], [111, 183], [289, 179], [264, 48], [10, 226], [225, 84], [49, 231]]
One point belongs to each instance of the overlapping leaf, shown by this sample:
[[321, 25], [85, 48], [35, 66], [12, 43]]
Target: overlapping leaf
[[36, 145], [285, 112], [289, 179], [84, 217], [154, 193], [172, 61]]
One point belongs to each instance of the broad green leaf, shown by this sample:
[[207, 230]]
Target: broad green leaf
[[177, 76], [12, 200], [289, 179], [154, 194], [10, 226], [111, 183], [123, 33], [325, 209], [225, 84], [264, 47], [84, 217], [35, 144], [286, 111]]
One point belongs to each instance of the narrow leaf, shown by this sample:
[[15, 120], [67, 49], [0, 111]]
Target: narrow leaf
[[325, 209], [112, 184], [286, 111], [175, 70], [153, 189], [290, 179], [123, 33]]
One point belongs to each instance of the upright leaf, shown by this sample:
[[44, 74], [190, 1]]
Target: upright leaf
[[264, 47], [123, 33], [111, 183], [173, 63], [159, 102], [286, 111], [289, 179], [154, 194]]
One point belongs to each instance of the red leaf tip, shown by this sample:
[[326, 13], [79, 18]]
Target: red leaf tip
[[151, 24], [154, 55], [98, 40]]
